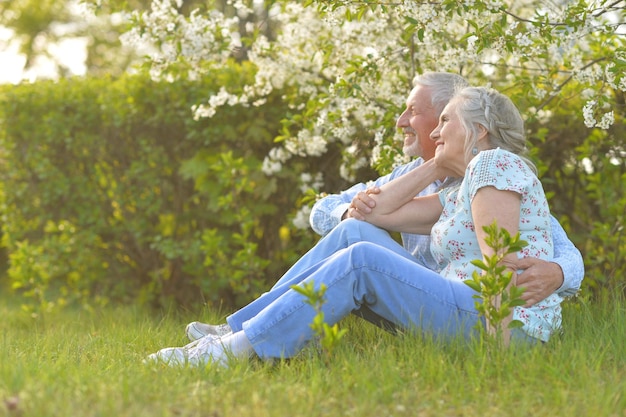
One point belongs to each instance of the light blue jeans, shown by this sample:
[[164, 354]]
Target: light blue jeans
[[361, 265]]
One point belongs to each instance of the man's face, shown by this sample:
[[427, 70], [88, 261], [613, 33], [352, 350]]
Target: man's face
[[416, 122]]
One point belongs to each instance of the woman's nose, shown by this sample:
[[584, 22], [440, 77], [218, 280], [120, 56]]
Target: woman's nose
[[434, 134]]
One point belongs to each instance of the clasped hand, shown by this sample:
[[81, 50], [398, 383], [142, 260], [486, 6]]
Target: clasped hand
[[362, 204]]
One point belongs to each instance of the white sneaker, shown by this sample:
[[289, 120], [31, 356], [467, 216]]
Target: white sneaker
[[208, 350], [170, 356], [197, 330], [191, 354]]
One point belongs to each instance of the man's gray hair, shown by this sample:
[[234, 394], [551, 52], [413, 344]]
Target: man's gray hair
[[443, 86]]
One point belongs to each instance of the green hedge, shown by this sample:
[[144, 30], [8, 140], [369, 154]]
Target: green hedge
[[111, 191]]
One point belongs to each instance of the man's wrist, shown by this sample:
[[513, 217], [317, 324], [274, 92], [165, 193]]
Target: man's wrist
[[340, 212]]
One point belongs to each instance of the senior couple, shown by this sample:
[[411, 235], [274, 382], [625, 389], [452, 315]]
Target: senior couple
[[474, 140]]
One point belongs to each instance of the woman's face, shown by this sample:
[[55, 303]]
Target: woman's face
[[449, 137]]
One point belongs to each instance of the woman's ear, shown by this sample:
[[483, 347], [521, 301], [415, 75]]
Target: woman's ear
[[482, 132], [483, 137]]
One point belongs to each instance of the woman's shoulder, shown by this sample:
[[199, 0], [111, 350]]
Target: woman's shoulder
[[495, 154], [497, 159], [501, 169]]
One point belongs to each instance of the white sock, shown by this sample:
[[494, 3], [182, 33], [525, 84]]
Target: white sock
[[238, 344]]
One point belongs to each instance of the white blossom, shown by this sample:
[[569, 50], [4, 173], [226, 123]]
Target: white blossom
[[588, 110], [606, 121], [271, 167], [301, 219], [202, 111], [310, 181]]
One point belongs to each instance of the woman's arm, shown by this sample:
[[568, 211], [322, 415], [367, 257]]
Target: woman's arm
[[489, 205], [416, 216], [397, 209], [403, 189]]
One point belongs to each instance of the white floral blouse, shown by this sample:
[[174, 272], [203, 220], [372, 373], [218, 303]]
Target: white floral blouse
[[454, 243]]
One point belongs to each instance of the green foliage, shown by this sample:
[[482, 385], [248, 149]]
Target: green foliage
[[329, 336], [496, 295], [115, 193], [583, 172]]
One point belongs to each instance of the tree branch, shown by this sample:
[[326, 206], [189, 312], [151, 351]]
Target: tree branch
[[567, 80]]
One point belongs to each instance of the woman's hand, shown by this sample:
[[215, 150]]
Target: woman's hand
[[362, 204], [442, 171]]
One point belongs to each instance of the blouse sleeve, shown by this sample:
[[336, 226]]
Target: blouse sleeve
[[500, 169]]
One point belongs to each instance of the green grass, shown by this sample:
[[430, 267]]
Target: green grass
[[76, 363]]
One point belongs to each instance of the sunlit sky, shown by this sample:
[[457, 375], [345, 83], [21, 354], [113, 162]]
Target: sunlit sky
[[69, 51]]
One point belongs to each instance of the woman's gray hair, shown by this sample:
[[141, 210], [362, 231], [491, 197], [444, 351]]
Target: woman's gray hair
[[443, 86], [481, 106]]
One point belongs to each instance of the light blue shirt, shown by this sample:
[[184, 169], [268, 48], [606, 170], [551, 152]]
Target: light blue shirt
[[327, 212]]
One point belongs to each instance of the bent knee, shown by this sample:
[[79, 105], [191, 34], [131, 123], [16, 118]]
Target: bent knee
[[366, 250]]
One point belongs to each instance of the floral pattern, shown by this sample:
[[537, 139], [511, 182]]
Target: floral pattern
[[454, 243]]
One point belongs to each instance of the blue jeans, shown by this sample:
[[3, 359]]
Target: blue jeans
[[347, 233], [361, 265]]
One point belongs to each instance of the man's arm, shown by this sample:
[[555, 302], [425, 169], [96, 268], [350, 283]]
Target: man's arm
[[563, 274], [328, 212], [568, 257]]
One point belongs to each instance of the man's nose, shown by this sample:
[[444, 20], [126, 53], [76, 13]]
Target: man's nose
[[403, 120]]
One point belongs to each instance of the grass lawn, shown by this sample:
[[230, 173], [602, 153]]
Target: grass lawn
[[77, 363]]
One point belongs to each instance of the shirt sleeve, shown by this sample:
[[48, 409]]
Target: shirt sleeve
[[327, 212], [500, 169], [568, 257]]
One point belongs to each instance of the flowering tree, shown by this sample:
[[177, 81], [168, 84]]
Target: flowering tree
[[346, 66]]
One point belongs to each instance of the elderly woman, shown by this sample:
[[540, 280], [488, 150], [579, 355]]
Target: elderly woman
[[480, 137]]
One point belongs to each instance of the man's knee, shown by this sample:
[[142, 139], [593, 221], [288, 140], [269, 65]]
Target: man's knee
[[361, 227]]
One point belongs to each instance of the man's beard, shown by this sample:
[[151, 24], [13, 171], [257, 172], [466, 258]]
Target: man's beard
[[412, 150]]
